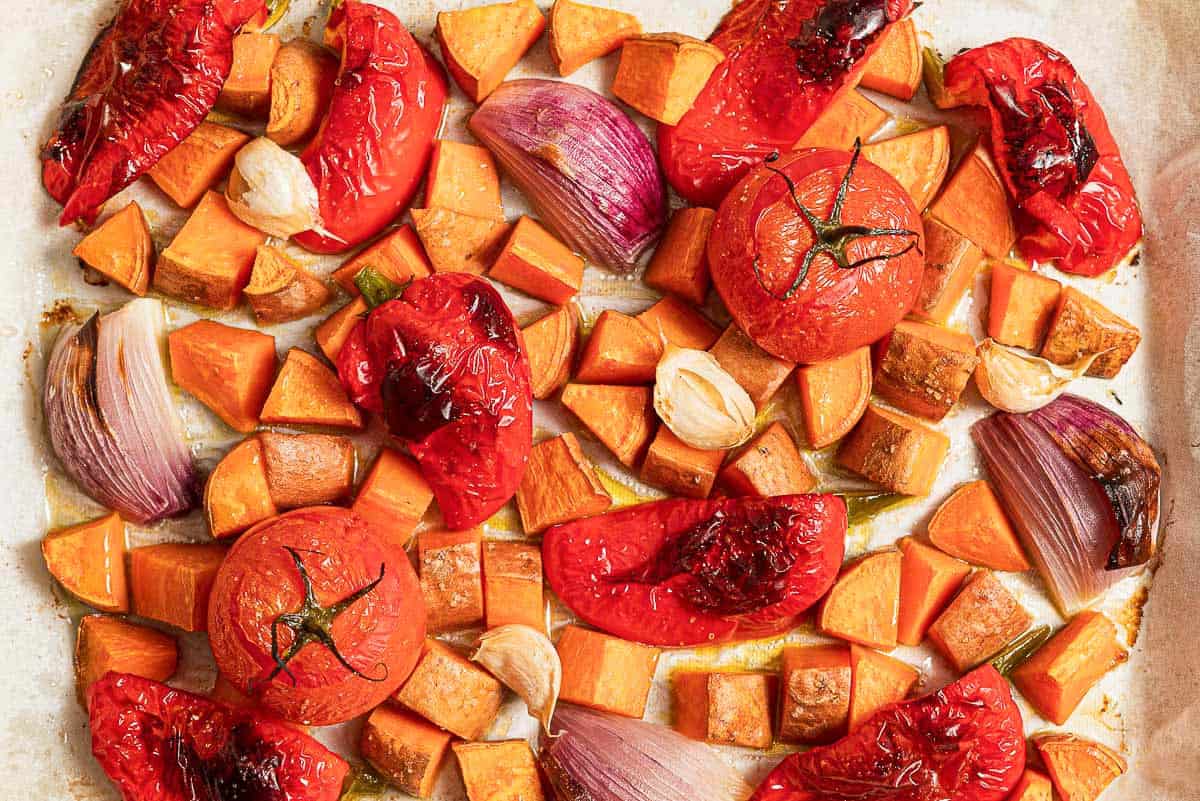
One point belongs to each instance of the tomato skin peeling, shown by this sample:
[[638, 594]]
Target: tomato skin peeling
[[964, 742], [689, 572], [786, 62]]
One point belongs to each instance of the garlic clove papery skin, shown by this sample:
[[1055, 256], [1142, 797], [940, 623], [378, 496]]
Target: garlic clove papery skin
[[1017, 382], [700, 402], [526, 662], [271, 190]]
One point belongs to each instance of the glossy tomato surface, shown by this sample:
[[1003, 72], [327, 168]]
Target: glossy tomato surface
[[761, 236], [690, 572], [373, 642], [965, 742], [157, 743]]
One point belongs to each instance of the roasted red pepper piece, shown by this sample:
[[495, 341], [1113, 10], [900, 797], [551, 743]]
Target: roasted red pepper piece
[[149, 79], [444, 364], [687, 572], [1052, 144], [786, 62], [161, 744], [964, 742], [372, 150]]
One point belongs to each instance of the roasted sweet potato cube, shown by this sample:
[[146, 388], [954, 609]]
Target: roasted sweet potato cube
[[878, 681], [972, 526], [397, 255], [499, 771], [559, 485], [210, 260], [974, 202], [536, 262], [680, 264], [918, 161], [551, 343], [1084, 327], [895, 451], [834, 395], [457, 242], [758, 372], [480, 45], [193, 166], [815, 690], [1032, 786], [1057, 677], [237, 495], [394, 496], [769, 465], [620, 417], [463, 178], [605, 673], [951, 262], [307, 469], [924, 368], [247, 90], [120, 249], [302, 77], [673, 465], [1021, 305], [620, 350], [928, 580], [864, 604], [280, 290], [171, 582], [662, 74], [580, 33], [228, 369], [404, 749], [982, 619], [850, 118], [105, 643], [512, 584], [335, 330], [88, 560], [895, 68], [450, 691], [307, 393], [1080, 769], [674, 321], [724, 708], [452, 578]]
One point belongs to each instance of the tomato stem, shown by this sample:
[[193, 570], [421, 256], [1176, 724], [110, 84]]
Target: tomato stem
[[831, 236], [314, 623]]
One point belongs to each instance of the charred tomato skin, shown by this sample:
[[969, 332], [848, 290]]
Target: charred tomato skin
[[653, 573], [380, 634], [157, 743], [965, 742], [760, 237], [445, 366]]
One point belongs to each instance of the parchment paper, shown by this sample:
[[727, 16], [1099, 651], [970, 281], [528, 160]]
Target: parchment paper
[[1140, 57]]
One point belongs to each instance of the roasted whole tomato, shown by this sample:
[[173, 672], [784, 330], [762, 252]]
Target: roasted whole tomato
[[817, 253], [371, 152], [964, 742], [148, 80], [687, 572], [314, 617], [443, 362], [1051, 141], [160, 744], [786, 62]]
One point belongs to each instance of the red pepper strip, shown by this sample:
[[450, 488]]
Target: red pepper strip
[[372, 150], [786, 62], [161, 744], [964, 742], [688, 572], [445, 366], [149, 79], [1052, 144]]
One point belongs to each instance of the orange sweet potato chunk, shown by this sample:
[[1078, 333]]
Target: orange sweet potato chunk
[[331, 334], [210, 260], [755, 370], [120, 249], [620, 417], [551, 343], [918, 161], [302, 77], [864, 604], [457, 242], [895, 451], [394, 496], [1080, 769], [480, 45], [673, 320], [1060, 673], [106, 643], [834, 395], [171, 582], [88, 560], [769, 465], [307, 469], [951, 262], [662, 74], [452, 692], [1032, 786], [878, 681], [463, 178], [814, 699], [534, 261], [397, 255], [581, 33], [499, 771], [975, 203], [193, 166], [404, 749], [247, 90], [852, 117], [680, 264], [1084, 327], [620, 350], [972, 526], [512, 585], [982, 619], [928, 580], [559, 485], [228, 369], [1020, 306], [237, 494], [451, 568], [280, 290], [724, 708], [895, 68], [924, 368], [307, 393], [673, 465], [604, 672]]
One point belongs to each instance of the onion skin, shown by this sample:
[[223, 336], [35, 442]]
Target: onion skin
[[584, 164], [111, 419]]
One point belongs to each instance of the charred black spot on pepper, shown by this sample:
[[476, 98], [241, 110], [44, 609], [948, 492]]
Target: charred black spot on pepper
[[831, 43], [246, 768]]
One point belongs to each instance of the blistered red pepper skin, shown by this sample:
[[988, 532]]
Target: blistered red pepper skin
[[148, 80], [1053, 146], [157, 743], [777, 78], [370, 154], [589, 564], [444, 364], [965, 742]]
